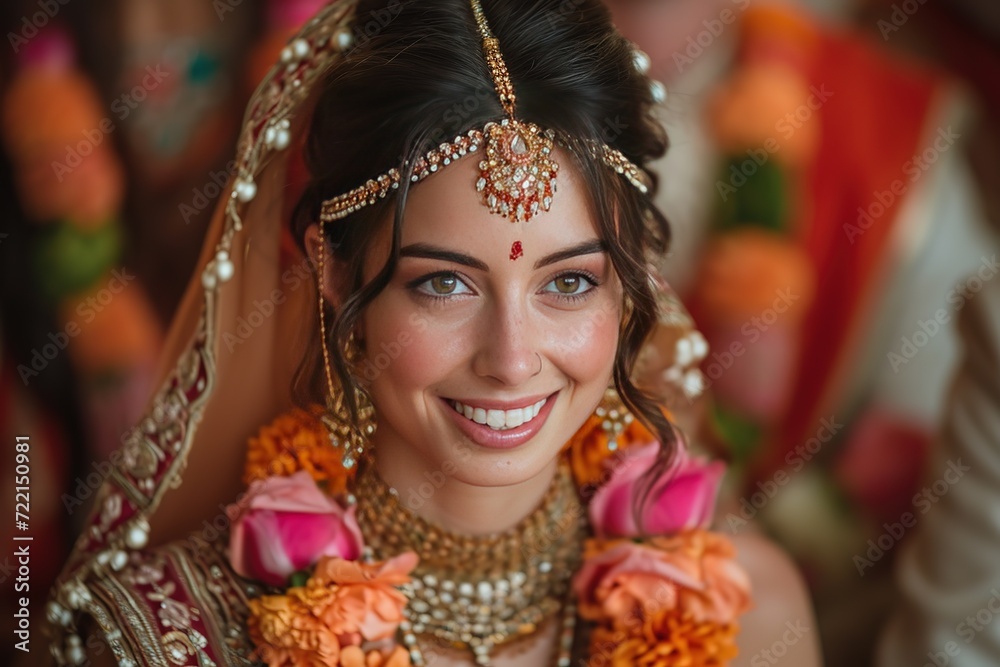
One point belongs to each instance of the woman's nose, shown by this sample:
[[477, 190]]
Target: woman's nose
[[507, 350]]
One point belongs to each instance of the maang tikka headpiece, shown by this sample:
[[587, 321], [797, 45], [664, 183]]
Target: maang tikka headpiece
[[517, 175]]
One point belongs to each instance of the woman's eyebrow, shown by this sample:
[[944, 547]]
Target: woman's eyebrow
[[428, 251], [585, 248], [435, 252]]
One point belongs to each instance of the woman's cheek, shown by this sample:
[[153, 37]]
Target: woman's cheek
[[408, 346], [585, 342]]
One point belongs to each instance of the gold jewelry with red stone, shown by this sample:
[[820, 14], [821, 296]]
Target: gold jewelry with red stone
[[517, 174]]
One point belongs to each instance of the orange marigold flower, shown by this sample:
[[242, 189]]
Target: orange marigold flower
[[588, 451], [666, 639], [288, 635], [296, 440]]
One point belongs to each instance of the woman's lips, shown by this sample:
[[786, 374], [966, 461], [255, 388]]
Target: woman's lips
[[503, 438]]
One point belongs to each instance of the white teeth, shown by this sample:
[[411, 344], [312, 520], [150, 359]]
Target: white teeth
[[499, 420], [496, 419]]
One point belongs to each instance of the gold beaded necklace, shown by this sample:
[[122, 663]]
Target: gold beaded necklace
[[478, 592]]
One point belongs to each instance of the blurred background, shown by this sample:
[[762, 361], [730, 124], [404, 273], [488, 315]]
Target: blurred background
[[834, 187]]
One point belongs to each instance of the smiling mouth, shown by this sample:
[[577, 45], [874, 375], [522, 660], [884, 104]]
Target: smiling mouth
[[499, 420]]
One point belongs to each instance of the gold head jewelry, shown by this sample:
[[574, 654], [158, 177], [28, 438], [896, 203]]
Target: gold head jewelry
[[517, 173]]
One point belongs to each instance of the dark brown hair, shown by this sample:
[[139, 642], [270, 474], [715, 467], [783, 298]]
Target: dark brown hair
[[417, 76]]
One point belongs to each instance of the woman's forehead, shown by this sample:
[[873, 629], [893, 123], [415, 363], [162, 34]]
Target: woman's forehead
[[447, 210]]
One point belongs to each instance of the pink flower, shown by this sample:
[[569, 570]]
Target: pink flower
[[685, 498], [288, 524]]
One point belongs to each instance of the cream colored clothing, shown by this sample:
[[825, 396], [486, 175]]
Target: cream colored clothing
[[949, 571]]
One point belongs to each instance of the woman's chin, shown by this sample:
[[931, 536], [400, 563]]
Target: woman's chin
[[492, 468]]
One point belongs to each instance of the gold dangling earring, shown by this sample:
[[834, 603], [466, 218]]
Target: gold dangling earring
[[352, 436], [614, 416]]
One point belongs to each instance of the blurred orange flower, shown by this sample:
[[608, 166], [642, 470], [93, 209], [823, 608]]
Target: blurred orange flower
[[667, 638]]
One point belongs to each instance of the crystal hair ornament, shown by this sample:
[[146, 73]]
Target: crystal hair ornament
[[517, 173]]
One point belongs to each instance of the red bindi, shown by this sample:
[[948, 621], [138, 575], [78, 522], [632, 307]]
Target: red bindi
[[516, 250]]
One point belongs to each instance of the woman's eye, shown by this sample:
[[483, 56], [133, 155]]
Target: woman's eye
[[570, 284], [445, 284]]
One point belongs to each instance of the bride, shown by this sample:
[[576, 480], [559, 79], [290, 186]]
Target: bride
[[438, 243]]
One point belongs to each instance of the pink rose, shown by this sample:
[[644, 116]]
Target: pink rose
[[685, 498], [287, 525]]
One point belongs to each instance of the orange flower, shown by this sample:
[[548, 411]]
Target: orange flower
[[667, 638], [354, 656], [296, 440], [588, 449], [624, 583], [287, 635], [726, 591], [621, 582], [360, 598]]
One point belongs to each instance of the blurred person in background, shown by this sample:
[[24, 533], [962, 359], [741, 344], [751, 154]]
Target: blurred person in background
[[827, 223], [947, 574]]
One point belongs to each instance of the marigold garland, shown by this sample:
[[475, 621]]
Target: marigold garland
[[296, 440]]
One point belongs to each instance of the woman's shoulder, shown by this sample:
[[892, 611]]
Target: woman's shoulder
[[782, 611], [179, 603]]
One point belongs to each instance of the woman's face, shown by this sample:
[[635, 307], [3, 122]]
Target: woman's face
[[511, 324]]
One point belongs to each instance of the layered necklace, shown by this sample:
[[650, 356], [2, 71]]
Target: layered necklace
[[476, 593]]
